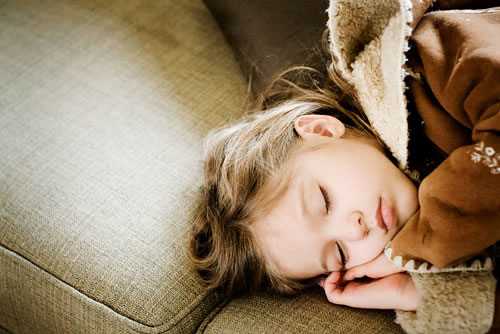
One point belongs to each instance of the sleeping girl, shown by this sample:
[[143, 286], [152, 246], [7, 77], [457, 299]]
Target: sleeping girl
[[339, 178]]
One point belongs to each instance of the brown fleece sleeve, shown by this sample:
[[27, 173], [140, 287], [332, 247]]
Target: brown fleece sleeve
[[459, 215]]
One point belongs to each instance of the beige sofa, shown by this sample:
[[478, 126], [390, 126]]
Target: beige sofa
[[103, 109]]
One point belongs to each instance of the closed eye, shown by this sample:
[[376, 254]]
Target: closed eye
[[326, 198], [342, 255]]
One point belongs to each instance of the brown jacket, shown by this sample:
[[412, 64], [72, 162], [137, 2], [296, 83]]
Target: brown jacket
[[450, 58], [455, 59]]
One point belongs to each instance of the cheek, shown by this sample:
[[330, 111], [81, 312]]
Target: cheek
[[406, 201], [366, 250]]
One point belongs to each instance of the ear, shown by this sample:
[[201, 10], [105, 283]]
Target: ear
[[315, 126]]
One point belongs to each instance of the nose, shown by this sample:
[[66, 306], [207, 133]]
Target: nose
[[356, 228]]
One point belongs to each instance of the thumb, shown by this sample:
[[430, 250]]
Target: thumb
[[332, 278], [358, 271], [376, 268]]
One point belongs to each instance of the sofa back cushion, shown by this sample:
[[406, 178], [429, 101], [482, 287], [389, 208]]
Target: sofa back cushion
[[270, 36], [104, 106]]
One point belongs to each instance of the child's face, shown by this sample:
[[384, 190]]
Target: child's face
[[369, 201]]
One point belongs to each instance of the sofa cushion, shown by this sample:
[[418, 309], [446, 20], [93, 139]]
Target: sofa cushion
[[307, 313], [103, 109], [270, 36]]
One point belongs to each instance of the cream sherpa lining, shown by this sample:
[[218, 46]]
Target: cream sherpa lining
[[369, 44], [425, 267], [434, 314]]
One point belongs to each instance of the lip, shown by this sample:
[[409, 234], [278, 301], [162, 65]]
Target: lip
[[384, 216]]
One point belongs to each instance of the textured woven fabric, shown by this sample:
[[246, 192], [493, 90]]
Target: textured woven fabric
[[308, 313], [29, 289], [103, 108]]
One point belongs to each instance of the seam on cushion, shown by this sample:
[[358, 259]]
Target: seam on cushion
[[79, 293], [182, 315], [147, 329], [5, 330], [203, 326]]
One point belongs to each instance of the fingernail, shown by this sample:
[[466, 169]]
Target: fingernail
[[321, 282]]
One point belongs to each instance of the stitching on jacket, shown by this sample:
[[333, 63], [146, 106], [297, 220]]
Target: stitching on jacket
[[478, 264], [486, 155]]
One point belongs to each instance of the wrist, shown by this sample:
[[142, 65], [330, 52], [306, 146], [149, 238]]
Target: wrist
[[409, 295]]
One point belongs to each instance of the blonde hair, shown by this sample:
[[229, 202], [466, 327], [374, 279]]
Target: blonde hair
[[245, 174]]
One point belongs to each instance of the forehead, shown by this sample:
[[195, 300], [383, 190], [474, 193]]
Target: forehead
[[281, 213], [282, 220], [286, 238]]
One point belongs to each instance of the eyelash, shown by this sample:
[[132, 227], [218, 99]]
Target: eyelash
[[326, 197], [342, 255]]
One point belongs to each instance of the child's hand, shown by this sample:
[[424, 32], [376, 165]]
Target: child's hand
[[376, 268], [396, 291]]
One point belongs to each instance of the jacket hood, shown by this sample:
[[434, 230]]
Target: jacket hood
[[368, 39]]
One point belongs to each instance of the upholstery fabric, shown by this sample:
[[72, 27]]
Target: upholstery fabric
[[307, 313], [48, 305], [270, 36], [103, 108]]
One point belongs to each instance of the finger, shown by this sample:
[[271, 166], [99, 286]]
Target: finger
[[356, 272], [330, 283], [384, 293], [354, 294], [333, 277], [379, 267], [351, 274], [334, 294]]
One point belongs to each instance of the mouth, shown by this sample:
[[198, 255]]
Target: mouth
[[384, 216]]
